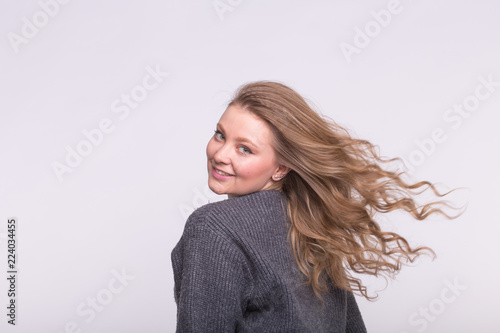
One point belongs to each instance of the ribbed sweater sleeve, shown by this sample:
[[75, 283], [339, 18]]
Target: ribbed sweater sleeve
[[354, 322], [210, 280]]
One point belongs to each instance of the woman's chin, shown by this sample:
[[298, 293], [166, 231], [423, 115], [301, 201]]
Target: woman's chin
[[216, 189]]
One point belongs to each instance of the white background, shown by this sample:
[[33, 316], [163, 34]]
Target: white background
[[123, 207]]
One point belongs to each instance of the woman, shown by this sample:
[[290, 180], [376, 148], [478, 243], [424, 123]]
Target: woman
[[276, 256]]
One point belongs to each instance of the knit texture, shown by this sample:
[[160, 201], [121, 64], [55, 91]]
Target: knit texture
[[234, 271]]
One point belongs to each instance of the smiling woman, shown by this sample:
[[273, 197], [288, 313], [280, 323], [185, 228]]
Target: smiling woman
[[240, 156], [277, 255]]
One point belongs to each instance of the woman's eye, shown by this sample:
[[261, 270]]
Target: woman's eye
[[219, 135], [245, 150]]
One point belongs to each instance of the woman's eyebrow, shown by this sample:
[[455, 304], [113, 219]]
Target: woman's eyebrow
[[240, 139]]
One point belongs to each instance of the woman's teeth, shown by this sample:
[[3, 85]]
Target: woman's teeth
[[222, 173]]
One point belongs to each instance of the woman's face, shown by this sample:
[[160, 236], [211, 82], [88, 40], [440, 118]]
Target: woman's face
[[240, 158]]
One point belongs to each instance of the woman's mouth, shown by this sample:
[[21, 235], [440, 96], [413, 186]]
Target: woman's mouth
[[219, 174]]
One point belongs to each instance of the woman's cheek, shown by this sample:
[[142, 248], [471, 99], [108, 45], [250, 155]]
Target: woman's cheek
[[245, 170]]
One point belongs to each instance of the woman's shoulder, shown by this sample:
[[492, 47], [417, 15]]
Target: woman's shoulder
[[236, 211]]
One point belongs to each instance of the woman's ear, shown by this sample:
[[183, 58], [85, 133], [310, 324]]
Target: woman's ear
[[280, 172]]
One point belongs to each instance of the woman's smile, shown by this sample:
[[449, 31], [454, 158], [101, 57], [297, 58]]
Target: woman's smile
[[219, 174]]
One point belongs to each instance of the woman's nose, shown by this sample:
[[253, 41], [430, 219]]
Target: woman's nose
[[222, 154]]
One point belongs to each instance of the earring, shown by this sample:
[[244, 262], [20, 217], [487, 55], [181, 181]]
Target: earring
[[278, 176]]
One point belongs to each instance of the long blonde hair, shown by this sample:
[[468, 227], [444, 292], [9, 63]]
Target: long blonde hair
[[335, 187]]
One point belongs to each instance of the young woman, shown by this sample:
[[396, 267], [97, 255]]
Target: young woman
[[276, 256]]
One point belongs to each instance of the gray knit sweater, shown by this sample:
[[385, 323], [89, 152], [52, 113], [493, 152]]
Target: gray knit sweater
[[234, 271]]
